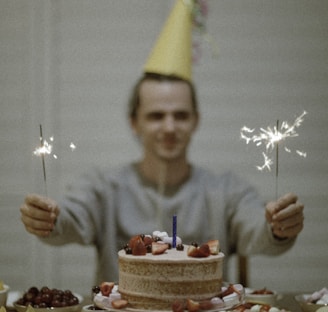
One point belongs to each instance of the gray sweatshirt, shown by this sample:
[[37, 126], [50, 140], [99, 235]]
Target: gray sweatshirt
[[106, 208]]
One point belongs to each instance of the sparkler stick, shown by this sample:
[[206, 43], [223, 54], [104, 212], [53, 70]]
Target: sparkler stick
[[46, 148], [277, 162], [43, 162]]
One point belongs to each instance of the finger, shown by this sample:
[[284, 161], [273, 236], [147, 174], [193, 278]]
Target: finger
[[289, 222], [285, 201], [41, 233], [288, 232], [41, 202], [32, 224], [281, 203], [32, 212], [288, 212]]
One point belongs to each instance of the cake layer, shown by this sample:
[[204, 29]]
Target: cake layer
[[153, 282]]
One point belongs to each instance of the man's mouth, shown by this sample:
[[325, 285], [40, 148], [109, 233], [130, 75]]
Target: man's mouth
[[169, 142]]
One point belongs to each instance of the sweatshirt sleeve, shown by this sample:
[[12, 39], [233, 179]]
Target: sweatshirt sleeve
[[80, 212], [249, 232]]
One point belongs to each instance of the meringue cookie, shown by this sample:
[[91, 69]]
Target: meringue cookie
[[104, 302], [169, 240], [231, 299], [217, 302], [160, 234]]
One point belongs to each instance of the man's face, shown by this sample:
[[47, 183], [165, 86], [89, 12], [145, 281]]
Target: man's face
[[165, 119]]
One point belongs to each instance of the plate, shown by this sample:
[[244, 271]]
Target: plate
[[229, 303], [260, 298], [226, 307], [307, 306], [77, 307]]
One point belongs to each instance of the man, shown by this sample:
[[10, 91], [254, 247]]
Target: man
[[107, 207]]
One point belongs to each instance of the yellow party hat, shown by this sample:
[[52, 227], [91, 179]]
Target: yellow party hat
[[172, 53]]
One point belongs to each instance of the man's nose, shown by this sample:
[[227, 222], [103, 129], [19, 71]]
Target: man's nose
[[169, 123]]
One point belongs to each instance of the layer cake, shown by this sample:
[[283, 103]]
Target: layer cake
[[153, 282]]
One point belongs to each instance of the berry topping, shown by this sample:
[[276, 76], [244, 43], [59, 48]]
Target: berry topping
[[198, 252], [178, 306], [180, 247], [214, 245], [204, 250], [95, 289], [206, 305], [158, 248], [128, 251], [139, 248], [192, 306], [106, 288], [119, 303], [147, 240], [133, 240]]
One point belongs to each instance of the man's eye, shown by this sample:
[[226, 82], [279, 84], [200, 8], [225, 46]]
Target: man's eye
[[181, 116]]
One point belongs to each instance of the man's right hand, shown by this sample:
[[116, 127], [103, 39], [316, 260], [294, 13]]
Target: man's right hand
[[39, 214]]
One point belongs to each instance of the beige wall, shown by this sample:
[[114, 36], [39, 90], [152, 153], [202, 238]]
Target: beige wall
[[69, 64]]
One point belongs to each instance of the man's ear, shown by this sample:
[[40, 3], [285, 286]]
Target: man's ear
[[133, 126]]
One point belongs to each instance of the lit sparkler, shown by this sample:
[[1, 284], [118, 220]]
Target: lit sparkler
[[271, 138], [44, 149]]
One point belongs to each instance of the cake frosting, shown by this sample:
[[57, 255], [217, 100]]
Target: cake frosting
[[153, 282]]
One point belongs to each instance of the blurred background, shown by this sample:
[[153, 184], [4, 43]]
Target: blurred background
[[70, 64]]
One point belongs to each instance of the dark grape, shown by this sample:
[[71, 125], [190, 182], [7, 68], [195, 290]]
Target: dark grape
[[47, 298], [95, 289], [128, 251]]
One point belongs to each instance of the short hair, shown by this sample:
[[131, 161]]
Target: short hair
[[134, 101]]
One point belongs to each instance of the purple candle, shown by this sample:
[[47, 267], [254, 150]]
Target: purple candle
[[174, 225]]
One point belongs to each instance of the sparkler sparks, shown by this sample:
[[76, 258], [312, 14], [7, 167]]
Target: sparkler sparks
[[46, 148], [271, 137]]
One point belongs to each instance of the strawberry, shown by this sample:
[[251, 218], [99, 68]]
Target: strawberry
[[206, 305], [230, 290], [198, 252], [147, 240], [158, 248], [178, 306], [192, 306], [214, 245], [139, 248], [119, 303], [192, 251], [133, 240], [204, 249], [106, 288]]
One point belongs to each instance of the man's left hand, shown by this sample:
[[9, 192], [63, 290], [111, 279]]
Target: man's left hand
[[285, 216]]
